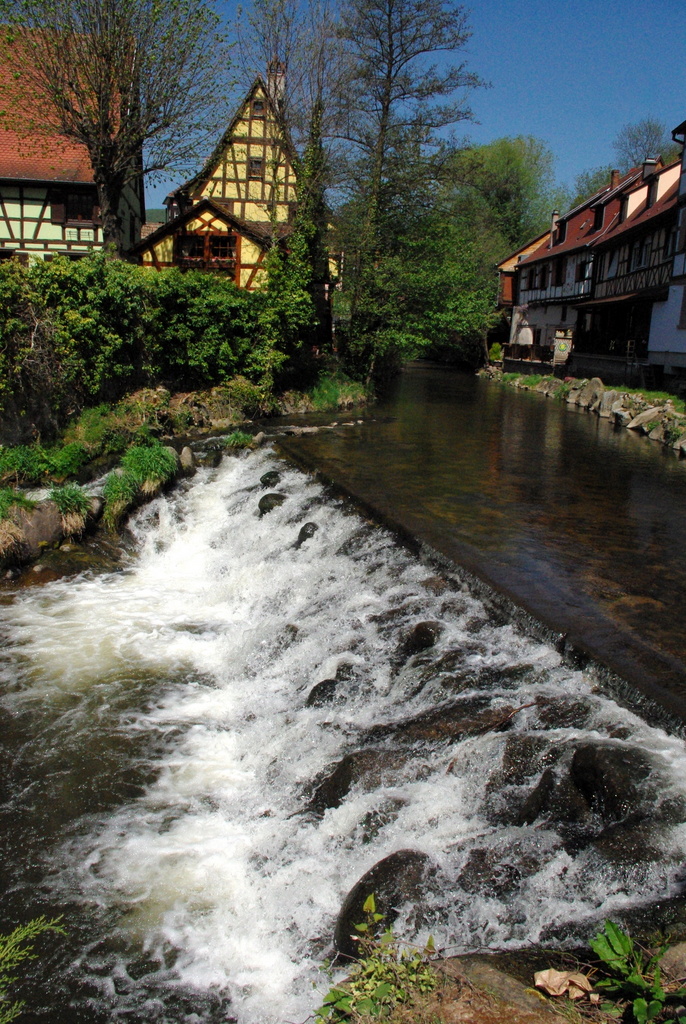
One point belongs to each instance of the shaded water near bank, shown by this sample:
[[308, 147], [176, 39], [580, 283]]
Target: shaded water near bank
[[581, 522], [170, 786]]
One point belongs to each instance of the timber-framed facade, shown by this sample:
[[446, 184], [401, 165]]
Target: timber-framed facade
[[241, 203], [587, 297]]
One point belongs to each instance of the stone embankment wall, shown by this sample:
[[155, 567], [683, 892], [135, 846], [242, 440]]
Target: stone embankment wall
[[658, 419]]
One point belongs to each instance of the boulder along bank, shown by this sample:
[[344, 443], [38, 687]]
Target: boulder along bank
[[659, 420]]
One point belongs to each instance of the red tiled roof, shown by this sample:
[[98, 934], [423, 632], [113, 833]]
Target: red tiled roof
[[580, 232], [34, 157], [645, 213]]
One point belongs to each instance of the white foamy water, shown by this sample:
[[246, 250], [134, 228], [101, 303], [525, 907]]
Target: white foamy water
[[181, 684]]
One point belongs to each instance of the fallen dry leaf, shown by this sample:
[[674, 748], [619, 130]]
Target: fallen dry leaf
[[560, 983]]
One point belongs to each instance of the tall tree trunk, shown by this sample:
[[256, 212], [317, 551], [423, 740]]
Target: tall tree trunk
[[109, 198]]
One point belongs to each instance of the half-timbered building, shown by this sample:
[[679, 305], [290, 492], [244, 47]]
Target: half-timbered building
[[48, 198], [667, 341], [587, 294], [241, 202]]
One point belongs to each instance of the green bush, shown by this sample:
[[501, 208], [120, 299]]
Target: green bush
[[335, 389], [385, 976], [76, 334], [68, 460], [495, 352]]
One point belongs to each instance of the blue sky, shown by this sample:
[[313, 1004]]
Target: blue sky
[[571, 72]]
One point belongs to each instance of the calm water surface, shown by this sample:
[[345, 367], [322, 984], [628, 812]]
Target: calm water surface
[[580, 522]]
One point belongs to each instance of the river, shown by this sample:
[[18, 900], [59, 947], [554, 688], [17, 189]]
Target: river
[[579, 521], [161, 760]]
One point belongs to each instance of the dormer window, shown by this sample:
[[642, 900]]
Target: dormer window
[[258, 108], [652, 194], [598, 217], [623, 208], [560, 231]]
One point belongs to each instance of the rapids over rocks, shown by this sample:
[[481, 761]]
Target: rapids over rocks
[[204, 752]]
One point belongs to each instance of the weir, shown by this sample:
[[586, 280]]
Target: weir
[[175, 789]]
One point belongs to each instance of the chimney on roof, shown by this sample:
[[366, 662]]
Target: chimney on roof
[[276, 80], [649, 166], [553, 225], [614, 179]]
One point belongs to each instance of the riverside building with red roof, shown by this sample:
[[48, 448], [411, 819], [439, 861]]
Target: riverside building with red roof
[[588, 300], [48, 197]]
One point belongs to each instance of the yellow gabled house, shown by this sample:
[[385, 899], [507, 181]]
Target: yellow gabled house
[[242, 201]]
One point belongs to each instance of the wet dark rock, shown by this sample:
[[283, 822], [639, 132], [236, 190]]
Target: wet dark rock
[[612, 778], [436, 584], [405, 876], [468, 717], [270, 479], [268, 502], [485, 873], [555, 799], [187, 462], [365, 768], [379, 818], [322, 693], [631, 843], [307, 531], [210, 457], [562, 713], [420, 638], [41, 528], [525, 755]]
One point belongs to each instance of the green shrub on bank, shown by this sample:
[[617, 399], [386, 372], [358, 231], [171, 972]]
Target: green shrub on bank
[[495, 352], [33, 463], [334, 390], [76, 334], [386, 976]]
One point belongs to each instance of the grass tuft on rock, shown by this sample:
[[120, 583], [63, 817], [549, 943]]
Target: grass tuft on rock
[[151, 466], [74, 505], [120, 493], [238, 439]]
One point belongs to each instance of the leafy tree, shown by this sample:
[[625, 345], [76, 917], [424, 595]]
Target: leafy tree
[[507, 187], [640, 140], [589, 182], [395, 97], [140, 83]]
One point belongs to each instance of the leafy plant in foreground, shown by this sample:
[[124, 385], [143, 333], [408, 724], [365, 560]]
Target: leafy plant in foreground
[[385, 976], [15, 949], [634, 977]]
